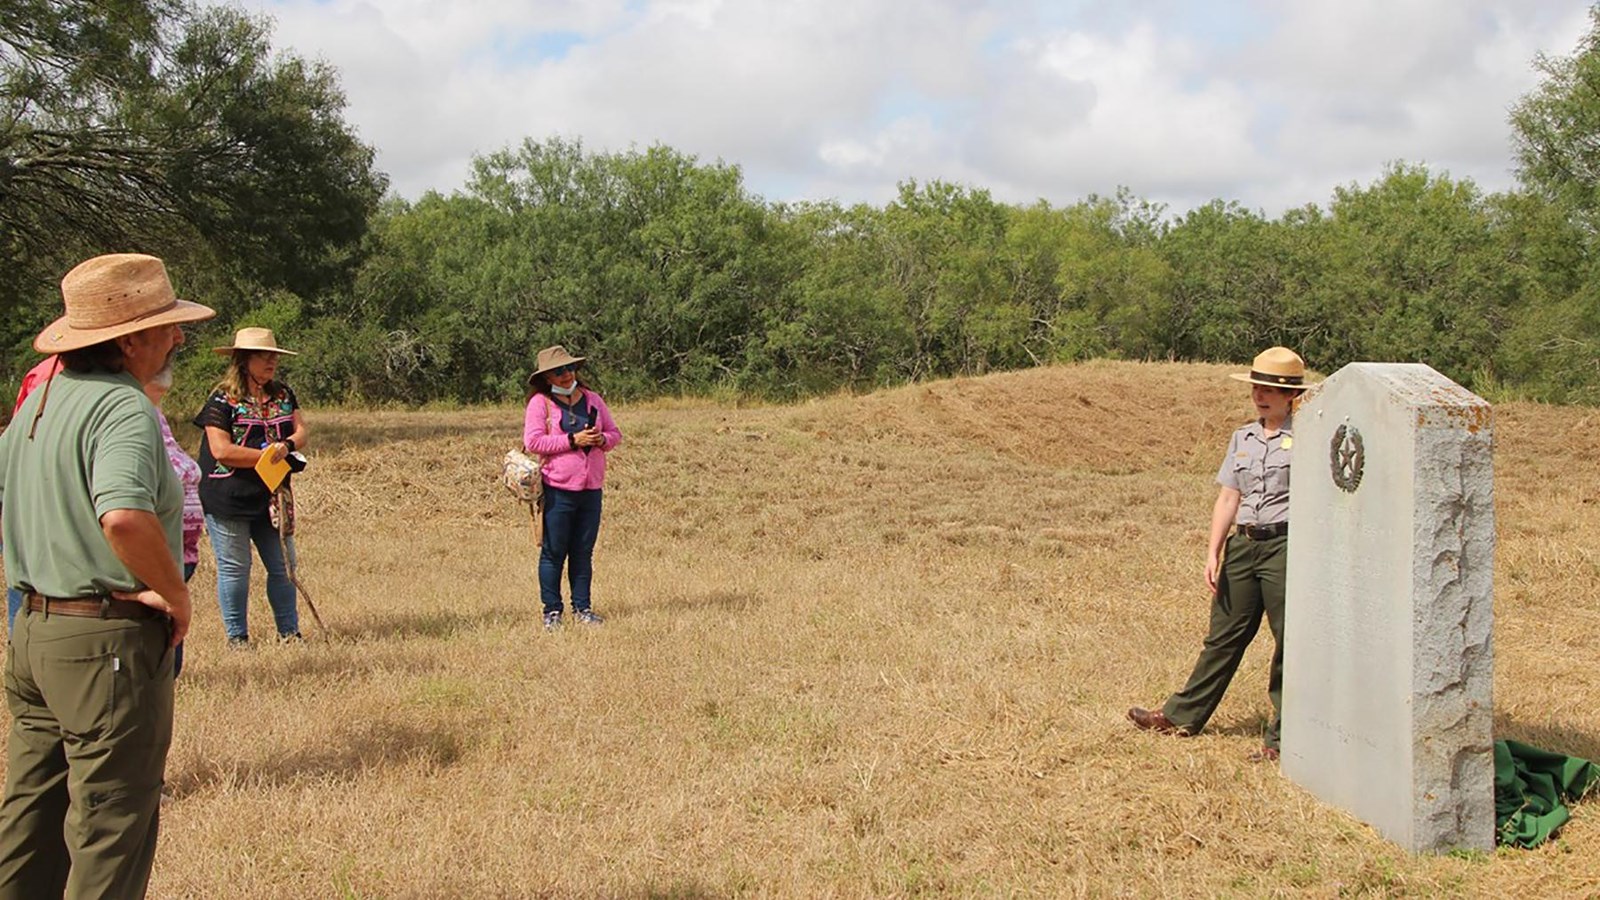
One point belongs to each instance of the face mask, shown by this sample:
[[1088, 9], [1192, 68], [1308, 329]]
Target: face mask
[[564, 391]]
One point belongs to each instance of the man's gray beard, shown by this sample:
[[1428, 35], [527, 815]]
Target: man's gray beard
[[163, 378]]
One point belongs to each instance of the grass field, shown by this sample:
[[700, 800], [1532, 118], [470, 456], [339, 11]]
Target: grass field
[[874, 645]]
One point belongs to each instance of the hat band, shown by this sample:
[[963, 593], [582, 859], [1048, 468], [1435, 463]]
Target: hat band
[[88, 322], [1289, 380]]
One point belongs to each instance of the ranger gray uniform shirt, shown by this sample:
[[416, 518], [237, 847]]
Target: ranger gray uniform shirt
[[1258, 468]]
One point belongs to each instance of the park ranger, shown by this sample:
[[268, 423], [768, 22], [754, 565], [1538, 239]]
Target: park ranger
[[1247, 555], [91, 512]]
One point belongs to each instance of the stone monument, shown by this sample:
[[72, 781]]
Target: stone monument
[[1388, 661]]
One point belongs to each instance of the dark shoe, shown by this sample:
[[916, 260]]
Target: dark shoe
[[552, 620], [1155, 720], [588, 617], [1265, 754], [290, 638], [239, 643]]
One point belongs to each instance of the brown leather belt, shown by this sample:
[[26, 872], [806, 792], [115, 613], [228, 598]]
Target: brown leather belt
[[1264, 532], [92, 607]]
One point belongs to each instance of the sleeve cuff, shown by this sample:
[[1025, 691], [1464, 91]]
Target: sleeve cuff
[[123, 500]]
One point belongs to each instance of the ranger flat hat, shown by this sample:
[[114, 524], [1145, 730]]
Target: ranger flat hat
[[256, 340], [109, 296], [1275, 367]]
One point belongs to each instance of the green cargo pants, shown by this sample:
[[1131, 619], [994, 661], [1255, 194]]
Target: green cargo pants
[[1252, 583], [91, 708]]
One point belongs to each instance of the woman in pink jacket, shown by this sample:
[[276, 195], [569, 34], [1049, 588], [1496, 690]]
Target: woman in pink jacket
[[570, 428]]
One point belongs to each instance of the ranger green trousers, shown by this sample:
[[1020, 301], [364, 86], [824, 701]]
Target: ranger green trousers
[[1252, 583], [91, 708]]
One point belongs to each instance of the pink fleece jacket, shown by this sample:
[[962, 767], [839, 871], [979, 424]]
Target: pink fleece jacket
[[565, 468]]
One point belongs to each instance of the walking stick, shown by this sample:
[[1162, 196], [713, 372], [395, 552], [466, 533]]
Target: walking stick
[[536, 512], [283, 499]]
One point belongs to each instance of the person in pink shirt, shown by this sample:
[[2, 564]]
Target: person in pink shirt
[[194, 518], [571, 430], [36, 376]]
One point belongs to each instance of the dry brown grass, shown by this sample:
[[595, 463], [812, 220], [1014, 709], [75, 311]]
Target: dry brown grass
[[861, 646]]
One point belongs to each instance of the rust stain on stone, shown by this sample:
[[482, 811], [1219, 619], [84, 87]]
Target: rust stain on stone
[[1473, 418]]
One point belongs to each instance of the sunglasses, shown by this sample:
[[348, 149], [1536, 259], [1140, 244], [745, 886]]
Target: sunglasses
[[562, 370]]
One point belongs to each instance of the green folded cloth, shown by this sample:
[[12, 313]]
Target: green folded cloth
[[1531, 790]]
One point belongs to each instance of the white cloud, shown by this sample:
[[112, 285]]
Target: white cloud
[[1086, 113], [1268, 102], [1366, 82]]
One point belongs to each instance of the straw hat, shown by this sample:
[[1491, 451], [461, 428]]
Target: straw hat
[[1276, 367], [256, 340], [113, 295], [554, 358]]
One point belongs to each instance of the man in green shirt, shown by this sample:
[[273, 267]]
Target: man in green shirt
[[91, 513]]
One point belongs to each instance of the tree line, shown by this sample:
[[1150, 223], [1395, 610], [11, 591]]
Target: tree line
[[157, 126]]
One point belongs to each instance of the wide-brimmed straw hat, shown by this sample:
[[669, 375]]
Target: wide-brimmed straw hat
[[554, 358], [256, 340], [1275, 367], [113, 295]]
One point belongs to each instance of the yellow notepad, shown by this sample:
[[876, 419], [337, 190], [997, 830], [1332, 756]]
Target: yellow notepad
[[272, 472]]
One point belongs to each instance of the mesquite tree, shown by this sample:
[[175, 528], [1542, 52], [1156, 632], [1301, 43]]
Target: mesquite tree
[[154, 125]]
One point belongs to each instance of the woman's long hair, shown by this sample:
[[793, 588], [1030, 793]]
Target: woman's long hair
[[236, 378]]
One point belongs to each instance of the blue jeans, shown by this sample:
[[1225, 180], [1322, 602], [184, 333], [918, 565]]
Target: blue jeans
[[13, 603], [177, 652], [230, 544], [571, 526]]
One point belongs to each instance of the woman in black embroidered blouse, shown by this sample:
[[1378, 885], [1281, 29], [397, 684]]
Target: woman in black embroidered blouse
[[249, 415]]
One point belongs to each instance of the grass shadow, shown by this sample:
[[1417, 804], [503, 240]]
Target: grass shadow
[[352, 753], [678, 890], [286, 669], [1557, 739], [1564, 740], [717, 601], [1254, 727], [434, 624]]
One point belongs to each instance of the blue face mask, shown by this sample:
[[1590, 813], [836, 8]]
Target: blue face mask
[[565, 391]]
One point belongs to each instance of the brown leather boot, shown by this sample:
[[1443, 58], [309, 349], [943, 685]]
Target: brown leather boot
[[1155, 720]]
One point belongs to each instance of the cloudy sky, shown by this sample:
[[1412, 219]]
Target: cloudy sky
[[1268, 102]]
